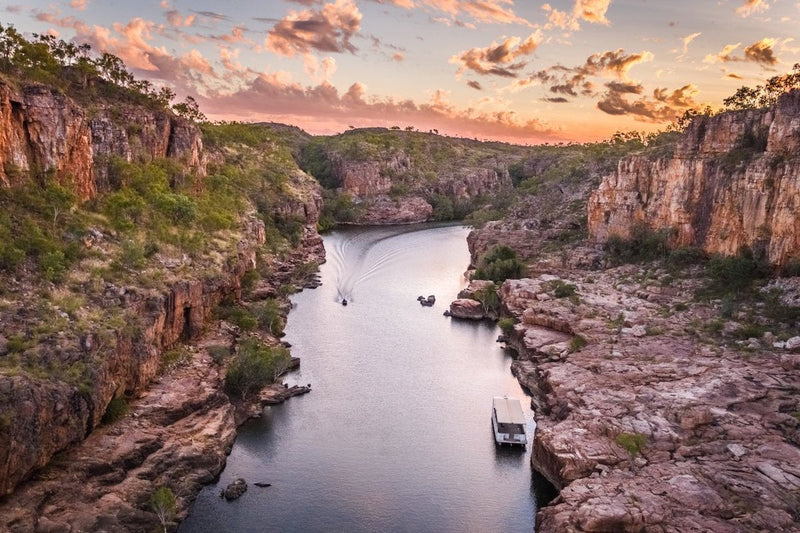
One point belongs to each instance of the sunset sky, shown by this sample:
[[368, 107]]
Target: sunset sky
[[519, 71]]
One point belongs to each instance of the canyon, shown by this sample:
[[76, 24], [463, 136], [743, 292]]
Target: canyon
[[654, 412]]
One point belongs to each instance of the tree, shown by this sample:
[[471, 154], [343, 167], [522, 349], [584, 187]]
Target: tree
[[189, 109], [162, 502], [59, 199], [764, 95], [499, 264]]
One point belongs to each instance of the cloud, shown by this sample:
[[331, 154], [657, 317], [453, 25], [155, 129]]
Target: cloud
[[78, 4], [664, 106], [593, 11], [323, 108], [751, 6], [326, 30], [486, 11], [687, 40], [475, 85], [498, 59], [760, 52], [399, 57], [556, 100], [723, 56]]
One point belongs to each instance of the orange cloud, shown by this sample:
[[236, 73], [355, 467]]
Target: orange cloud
[[593, 11], [751, 6], [78, 4], [665, 106], [759, 52]]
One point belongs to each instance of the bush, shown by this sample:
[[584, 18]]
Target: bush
[[577, 343], [632, 442], [506, 325], [238, 316], [255, 366], [643, 244], [736, 273], [218, 352], [499, 264]]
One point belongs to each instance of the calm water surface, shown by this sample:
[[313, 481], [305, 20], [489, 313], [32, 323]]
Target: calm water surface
[[396, 433]]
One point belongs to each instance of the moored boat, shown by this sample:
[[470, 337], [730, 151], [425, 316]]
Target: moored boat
[[508, 421]]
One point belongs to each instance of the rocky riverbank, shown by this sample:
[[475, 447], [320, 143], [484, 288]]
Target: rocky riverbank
[[652, 415], [176, 434]]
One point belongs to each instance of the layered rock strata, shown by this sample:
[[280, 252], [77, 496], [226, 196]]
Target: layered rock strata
[[732, 182], [644, 424], [44, 133]]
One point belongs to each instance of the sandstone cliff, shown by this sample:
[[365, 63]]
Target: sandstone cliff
[[732, 182], [62, 363], [44, 133], [400, 177]]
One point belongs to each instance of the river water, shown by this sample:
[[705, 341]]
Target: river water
[[396, 433]]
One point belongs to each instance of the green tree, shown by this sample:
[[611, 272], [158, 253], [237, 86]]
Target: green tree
[[499, 264], [163, 504]]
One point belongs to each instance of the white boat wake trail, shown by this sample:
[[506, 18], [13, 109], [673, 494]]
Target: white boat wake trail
[[360, 257]]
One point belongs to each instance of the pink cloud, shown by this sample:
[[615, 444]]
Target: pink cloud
[[322, 109], [327, 30], [498, 59]]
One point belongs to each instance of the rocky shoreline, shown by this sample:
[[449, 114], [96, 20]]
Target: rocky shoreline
[[644, 424], [177, 434]]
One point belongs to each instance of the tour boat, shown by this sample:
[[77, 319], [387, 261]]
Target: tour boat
[[508, 421]]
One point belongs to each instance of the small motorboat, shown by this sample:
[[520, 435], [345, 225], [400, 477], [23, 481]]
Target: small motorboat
[[344, 301]]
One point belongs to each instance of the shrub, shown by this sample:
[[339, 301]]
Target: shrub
[[563, 290], [499, 264], [218, 352], [255, 366], [239, 316], [577, 343], [269, 316], [643, 244], [488, 298], [506, 325], [736, 273], [631, 442]]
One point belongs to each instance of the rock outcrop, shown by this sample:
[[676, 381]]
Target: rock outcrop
[[665, 431], [44, 133], [732, 182]]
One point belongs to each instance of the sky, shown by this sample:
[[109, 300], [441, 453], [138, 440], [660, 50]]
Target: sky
[[526, 72]]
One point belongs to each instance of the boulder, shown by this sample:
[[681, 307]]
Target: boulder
[[468, 309], [235, 489]]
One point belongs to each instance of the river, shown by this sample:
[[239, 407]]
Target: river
[[396, 433]]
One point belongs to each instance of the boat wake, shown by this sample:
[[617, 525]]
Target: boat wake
[[358, 258]]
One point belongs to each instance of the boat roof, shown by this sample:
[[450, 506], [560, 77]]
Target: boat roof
[[509, 410]]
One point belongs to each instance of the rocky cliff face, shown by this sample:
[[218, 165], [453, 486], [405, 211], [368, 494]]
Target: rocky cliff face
[[732, 182], [44, 416], [44, 133], [394, 186]]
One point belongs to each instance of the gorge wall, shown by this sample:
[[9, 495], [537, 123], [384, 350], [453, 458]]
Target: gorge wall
[[44, 132], [733, 181], [395, 177], [60, 392]]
